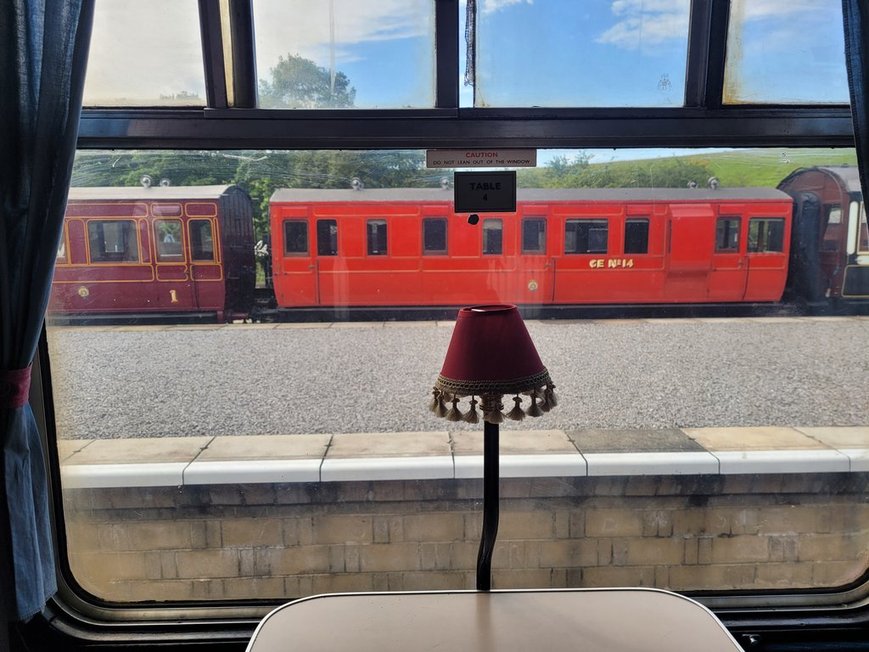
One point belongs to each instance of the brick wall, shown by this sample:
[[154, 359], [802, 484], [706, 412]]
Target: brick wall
[[283, 541]]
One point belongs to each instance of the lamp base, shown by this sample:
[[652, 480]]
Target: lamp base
[[490, 505]]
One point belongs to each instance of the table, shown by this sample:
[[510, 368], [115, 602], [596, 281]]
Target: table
[[593, 620]]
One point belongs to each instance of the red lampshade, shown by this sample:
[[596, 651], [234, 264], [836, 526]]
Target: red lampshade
[[491, 354]]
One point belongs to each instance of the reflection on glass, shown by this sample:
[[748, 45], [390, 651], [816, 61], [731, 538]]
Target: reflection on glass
[[597, 53], [340, 54], [145, 54], [785, 53], [297, 455]]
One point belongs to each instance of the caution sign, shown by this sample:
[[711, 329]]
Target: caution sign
[[481, 158]]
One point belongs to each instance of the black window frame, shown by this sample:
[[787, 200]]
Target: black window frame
[[231, 121], [585, 229], [641, 245], [377, 238], [297, 251], [431, 239], [327, 237], [540, 235], [489, 239], [722, 236]]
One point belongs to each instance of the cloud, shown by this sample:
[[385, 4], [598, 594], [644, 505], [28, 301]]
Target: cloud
[[306, 28], [491, 6], [642, 23]]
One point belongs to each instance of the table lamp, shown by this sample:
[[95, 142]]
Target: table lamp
[[491, 355]]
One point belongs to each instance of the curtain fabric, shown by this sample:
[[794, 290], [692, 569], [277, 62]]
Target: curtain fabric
[[856, 18], [43, 50]]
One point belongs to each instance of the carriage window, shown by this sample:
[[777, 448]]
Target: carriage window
[[376, 237], [113, 241], [727, 234], [434, 235], [863, 226], [167, 236], [295, 237], [534, 235], [61, 248], [201, 240], [766, 235], [832, 227], [585, 237], [327, 237], [637, 236], [493, 236]]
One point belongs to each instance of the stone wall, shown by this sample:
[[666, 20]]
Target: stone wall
[[285, 540]]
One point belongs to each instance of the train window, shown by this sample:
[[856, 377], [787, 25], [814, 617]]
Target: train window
[[832, 227], [295, 237], [327, 237], [61, 249], [863, 228], [534, 235], [171, 74], [493, 236], [766, 234], [639, 53], [113, 241], [765, 44], [585, 236], [201, 240], [377, 241], [167, 236], [434, 235], [727, 234], [637, 236], [342, 53]]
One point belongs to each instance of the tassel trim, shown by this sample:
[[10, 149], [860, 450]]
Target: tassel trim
[[542, 400]]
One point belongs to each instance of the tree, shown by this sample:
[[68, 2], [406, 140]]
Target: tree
[[299, 83]]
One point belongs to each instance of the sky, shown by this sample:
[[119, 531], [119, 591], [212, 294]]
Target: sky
[[529, 52]]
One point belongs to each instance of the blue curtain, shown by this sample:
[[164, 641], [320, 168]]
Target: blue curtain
[[43, 50], [856, 15]]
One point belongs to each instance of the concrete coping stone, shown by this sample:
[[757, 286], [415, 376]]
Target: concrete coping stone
[[346, 457]]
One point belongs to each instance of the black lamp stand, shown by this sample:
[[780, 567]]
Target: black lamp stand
[[490, 506]]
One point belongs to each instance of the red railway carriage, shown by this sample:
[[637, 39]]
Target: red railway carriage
[[156, 250], [406, 247], [830, 234]]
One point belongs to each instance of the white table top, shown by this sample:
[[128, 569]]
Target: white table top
[[598, 620]]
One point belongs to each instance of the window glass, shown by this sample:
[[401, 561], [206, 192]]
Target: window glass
[[766, 234], [113, 241], [727, 234], [434, 235], [863, 229], [287, 447], [167, 236], [638, 52], [377, 237], [295, 237], [170, 75], [533, 235], [327, 237], [493, 236], [585, 237], [785, 53], [201, 240], [637, 236], [61, 248], [832, 230], [345, 54]]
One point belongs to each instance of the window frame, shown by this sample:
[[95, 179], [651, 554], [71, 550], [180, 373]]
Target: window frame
[[444, 251], [378, 222]]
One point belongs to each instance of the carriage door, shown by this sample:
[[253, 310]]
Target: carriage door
[[174, 287], [729, 274], [295, 265], [205, 268], [690, 244]]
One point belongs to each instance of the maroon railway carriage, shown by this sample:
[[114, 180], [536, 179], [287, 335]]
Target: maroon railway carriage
[[406, 247], [156, 251], [830, 250]]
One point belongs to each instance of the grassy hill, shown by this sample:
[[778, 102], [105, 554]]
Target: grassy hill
[[734, 168]]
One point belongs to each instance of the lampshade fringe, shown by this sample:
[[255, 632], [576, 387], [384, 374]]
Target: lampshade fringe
[[455, 414], [517, 413], [534, 410], [433, 406], [441, 409], [549, 393], [471, 416]]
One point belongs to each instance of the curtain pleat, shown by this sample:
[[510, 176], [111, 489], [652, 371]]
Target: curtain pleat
[[43, 52], [856, 19]]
